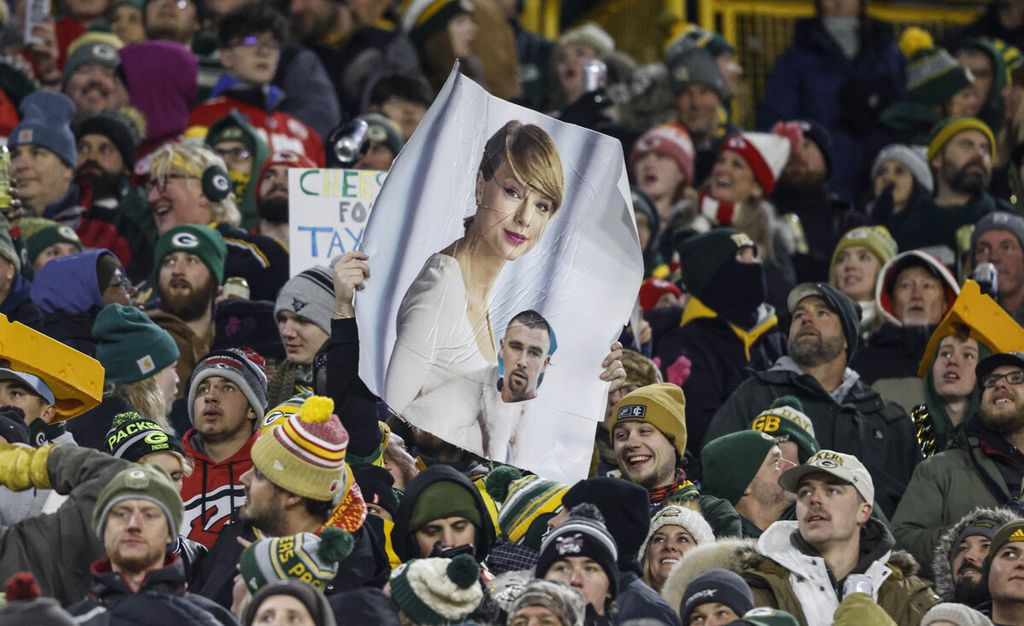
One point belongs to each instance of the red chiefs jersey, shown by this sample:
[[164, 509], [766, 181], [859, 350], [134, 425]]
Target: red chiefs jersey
[[279, 130], [213, 492]]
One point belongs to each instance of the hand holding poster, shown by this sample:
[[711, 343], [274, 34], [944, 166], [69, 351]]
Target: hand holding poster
[[504, 261], [328, 211]]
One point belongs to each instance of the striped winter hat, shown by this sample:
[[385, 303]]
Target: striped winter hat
[[306, 453], [305, 557], [528, 498]]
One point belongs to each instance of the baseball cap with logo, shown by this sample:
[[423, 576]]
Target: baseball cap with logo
[[662, 405], [34, 383], [202, 241], [845, 467]]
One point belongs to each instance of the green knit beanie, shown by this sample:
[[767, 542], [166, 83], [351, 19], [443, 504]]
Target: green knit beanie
[[139, 482], [731, 462], [305, 557], [131, 346], [443, 499], [437, 591], [38, 234], [202, 241]]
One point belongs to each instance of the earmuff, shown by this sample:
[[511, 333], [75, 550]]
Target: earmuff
[[216, 184]]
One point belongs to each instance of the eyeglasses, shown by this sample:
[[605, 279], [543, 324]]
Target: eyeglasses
[[1015, 377], [235, 155], [266, 44], [160, 183]]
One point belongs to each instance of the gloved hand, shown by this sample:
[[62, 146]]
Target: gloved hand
[[12, 425], [22, 467]]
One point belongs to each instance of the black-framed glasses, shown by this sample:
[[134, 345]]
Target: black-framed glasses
[[1015, 377]]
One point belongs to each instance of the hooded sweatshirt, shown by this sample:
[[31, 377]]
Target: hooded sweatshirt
[[161, 80], [245, 189], [68, 294], [403, 537], [213, 492], [934, 427]]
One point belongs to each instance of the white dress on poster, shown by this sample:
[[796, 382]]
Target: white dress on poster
[[436, 341]]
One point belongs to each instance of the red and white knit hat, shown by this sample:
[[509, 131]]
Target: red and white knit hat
[[306, 453], [669, 140], [765, 153]]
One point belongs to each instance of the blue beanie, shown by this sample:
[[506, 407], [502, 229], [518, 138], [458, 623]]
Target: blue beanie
[[46, 122]]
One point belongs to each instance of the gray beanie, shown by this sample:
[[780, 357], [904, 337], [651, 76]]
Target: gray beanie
[[998, 220], [563, 601], [309, 294], [911, 158], [959, 614], [688, 63], [46, 122]]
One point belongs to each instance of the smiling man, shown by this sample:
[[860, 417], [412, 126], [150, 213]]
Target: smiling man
[[189, 262], [847, 414], [981, 469], [804, 564], [960, 555], [226, 398]]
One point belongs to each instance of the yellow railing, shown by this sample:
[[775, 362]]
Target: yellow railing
[[760, 29]]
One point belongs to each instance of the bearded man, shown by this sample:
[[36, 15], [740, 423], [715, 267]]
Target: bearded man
[[189, 269]]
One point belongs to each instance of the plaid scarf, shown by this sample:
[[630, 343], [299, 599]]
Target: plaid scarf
[[660, 494]]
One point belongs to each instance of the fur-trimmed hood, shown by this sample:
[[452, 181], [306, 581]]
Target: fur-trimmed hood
[[942, 562], [734, 555]]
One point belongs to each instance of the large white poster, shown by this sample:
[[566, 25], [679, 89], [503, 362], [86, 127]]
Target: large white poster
[[327, 213], [504, 261]]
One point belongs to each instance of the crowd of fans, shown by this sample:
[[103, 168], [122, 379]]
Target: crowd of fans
[[818, 416]]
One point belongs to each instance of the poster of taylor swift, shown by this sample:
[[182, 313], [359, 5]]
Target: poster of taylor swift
[[504, 261]]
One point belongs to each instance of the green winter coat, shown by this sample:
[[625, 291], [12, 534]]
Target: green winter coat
[[877, 432], [58, 548], [945, 487]]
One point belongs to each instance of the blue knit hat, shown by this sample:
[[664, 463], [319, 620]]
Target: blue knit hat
[[46, 122]]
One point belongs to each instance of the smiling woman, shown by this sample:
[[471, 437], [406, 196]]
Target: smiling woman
[[519, 189]]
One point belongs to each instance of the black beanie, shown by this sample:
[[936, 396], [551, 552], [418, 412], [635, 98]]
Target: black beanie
[[625, 509], [583, 534], [848, 310], [376, 483], [117, 131], [741, 289], [717, 585], [132, 437], [701, 257], [821, 138]]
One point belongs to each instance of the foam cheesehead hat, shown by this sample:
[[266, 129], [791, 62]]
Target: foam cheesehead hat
[[765, 153], [305, 557], [845, 467], [948, 128], [202, 241], [662, 405], [139, 482]]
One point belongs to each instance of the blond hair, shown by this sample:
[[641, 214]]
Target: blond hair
[[191, 158], [532, 156], [145, 397]]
